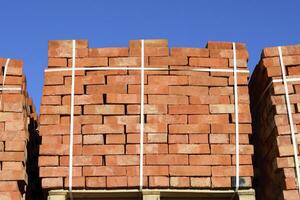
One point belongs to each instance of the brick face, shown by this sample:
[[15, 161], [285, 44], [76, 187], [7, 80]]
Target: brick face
[[276, 152], [188, 117], [19, 136]]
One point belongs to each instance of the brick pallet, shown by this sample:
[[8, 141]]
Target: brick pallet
[[189, 130], [18, 144], [274, 154]]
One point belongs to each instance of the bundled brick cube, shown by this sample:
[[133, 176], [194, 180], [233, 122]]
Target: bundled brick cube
[[274, 154], [189, 130], [18, 135]]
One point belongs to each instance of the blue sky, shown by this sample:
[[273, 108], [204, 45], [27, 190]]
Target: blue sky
[[26, 26]]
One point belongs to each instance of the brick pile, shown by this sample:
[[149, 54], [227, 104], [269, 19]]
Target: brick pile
[[18, 136], [274, 155], [189, 117]]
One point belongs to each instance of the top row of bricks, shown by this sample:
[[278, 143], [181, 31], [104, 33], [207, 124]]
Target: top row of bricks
[[63, 48]]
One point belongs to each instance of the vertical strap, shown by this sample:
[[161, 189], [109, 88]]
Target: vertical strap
[[289, 110], [236, 111], [72, 117], [3, 80], [142, 117], [5, 71]]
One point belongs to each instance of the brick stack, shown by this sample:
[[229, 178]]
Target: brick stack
[[274, 153], [189, 117], [18, 155]]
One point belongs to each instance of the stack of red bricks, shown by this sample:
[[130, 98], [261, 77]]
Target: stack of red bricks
[[17, 126], [189, 134], [274, 155]]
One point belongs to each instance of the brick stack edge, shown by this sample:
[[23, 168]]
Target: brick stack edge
[[189, 118], [274, 155], [18, 138]]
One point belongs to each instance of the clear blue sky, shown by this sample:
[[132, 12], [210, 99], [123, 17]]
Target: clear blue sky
[[27, 25]]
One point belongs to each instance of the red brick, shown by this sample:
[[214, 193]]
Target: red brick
[[115, 139], [118, 181], [104, 109], [156, 170], [48, 160], [167, 99], [102, 149], [168, 159], [83, 99], [95, 182], [52, 182], [210, 160], [102, 128], [167, 80], [108, 52], [104, 171], [201, 182], [158, 181], [123, 62], [59, 171], [208, 81], [124, 98], [221, 182], [93, 139], [180, 182], [49, 119], [148, 109], [189, 128], [190, 171], [121, 160], [81, 160], [189, 148], [188, 109], [148, 149]]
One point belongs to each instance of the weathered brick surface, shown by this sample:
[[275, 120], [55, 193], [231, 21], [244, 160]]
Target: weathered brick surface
[[18, 136], [189, 118], [274, 154]]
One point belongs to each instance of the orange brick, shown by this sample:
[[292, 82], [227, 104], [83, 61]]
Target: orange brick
[[81, 160], [115, 139], [104, 109], [210, 160], [104, 171], [95, 182], [168, 159], [190, 171], [108, 52], [167, 80], [102, 149], [188, 109], [118, 181], [179, 182], [158, 181], [189, 148], [191, 52], [201, 182], [123, 62], [121, 160], [167, 99], [189, 128]]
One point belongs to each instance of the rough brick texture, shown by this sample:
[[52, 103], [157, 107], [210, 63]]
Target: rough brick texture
[[274, 155], [189, 117], [18, 136]]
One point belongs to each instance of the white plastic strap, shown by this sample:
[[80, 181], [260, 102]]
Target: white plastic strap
[[236, 111], [142, 117], [5, 71], [72, 118], [288, 104], [145, 69], [287, 80]]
